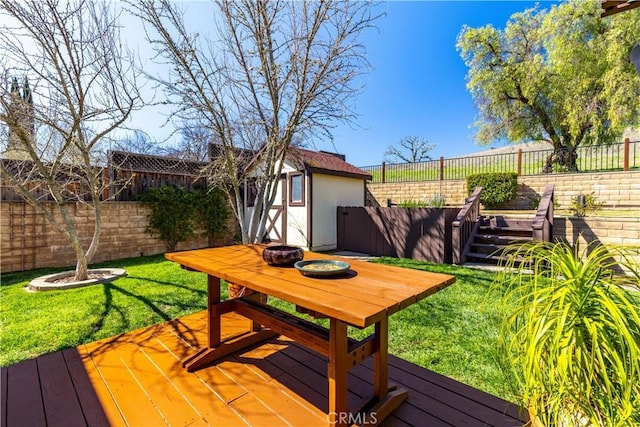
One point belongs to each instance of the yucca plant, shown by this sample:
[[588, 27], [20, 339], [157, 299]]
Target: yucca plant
[[571, 333]]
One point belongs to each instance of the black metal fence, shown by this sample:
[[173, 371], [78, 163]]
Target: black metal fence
[[620, 156]]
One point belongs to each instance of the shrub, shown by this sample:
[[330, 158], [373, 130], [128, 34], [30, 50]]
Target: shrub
[[571, 333], [437, 201], [172, 210], [212, 213], [411, 204], [498, 188], [177, 215], [587, 205]]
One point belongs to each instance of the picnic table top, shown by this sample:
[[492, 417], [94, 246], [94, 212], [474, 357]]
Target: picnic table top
[[365, 294]]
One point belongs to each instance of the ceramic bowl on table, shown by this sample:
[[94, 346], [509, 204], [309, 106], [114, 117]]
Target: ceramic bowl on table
[[282, 255], [322, 267]]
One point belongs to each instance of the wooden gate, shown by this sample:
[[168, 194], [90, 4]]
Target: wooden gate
[[416, 233]]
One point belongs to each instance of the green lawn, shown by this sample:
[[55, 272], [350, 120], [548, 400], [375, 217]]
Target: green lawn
[[452, 332]]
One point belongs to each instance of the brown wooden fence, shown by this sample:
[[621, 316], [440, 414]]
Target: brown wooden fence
[[132, 174], [125, 178], [417, 233]]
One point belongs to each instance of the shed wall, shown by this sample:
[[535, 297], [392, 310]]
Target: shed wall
[[328, 192]]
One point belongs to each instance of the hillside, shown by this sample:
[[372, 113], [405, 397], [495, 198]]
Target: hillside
[[512, 148], [633, 135]]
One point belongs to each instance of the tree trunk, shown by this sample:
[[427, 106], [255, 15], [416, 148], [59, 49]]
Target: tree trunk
[[565, 158], [97, 228], [76, 244], [82, 271]]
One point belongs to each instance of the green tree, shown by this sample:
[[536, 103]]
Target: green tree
[[562, 75], [212, 213], [178, 215]]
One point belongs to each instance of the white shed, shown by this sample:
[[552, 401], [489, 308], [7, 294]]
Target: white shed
[[312, 185]]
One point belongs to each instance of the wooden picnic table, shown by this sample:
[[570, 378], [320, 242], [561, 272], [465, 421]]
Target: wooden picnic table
[[366, 295]]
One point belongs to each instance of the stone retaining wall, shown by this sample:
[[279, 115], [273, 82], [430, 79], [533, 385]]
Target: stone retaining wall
[[610, 231], [28, 241], [615, 189]]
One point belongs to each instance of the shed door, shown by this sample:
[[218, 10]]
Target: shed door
[[277, 219]]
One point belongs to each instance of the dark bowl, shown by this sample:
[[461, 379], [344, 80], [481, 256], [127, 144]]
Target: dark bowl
[[282, 255]]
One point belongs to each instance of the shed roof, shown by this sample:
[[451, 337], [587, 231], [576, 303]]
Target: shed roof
[[327, 163], [313, 161]]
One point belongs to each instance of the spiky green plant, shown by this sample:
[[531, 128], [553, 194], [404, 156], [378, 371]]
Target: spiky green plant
[[571, 332]]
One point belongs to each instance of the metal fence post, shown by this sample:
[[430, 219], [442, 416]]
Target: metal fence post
[[519, 161], [626, 154], [441, 168], [384, 169]]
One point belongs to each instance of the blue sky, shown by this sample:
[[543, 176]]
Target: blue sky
[[417, 84]]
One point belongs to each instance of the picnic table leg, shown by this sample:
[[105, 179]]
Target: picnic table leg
[[338, 370], [213, 325], [213, 298], [381, 359], [216, 348], [387, 398]]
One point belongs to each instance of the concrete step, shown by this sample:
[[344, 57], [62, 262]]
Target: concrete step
[[487, 248], [486, 258]]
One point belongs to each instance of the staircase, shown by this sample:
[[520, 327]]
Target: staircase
[[480, 238], [494, 234]]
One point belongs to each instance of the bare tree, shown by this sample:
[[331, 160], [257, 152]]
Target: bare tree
[[410, 149], [274, 70], [138, 141], [194, 144], [83, 89]]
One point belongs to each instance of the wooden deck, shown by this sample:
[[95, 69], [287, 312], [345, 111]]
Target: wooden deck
[[136, 379]]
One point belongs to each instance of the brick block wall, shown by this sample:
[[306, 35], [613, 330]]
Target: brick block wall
[[610, 231], [28, 241], [615, 189], [455, 191]]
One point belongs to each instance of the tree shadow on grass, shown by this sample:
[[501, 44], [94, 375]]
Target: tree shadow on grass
[[109, 308], [172, 284]]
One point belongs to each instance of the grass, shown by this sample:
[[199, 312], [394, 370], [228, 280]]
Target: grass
[[453, 332], [32, 324]]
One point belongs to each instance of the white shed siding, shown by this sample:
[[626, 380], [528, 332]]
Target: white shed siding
[[297, 234], [328, 192]]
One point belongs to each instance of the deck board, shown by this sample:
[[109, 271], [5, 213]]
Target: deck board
[[136, 379], [59, 397], [92, 409], [3, 396], [24, 399]]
